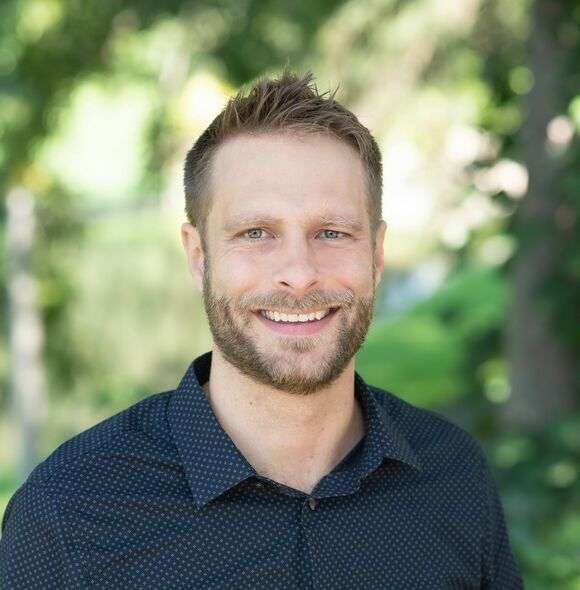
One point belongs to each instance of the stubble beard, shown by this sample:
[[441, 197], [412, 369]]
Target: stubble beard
[[283, 369]]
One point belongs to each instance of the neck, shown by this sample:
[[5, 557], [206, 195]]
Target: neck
[[292, 439]]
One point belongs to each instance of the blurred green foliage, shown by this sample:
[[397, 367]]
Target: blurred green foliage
[[539, 479], [427, 354]]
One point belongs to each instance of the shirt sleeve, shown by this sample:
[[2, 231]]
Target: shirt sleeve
[[500, 567], [32, 550]]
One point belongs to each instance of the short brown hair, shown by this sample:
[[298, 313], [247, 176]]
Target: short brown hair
[[287, 104]]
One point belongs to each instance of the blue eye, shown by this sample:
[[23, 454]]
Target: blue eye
[[334, 232], [254, 229]]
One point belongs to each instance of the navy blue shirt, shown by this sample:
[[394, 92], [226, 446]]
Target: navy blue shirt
[[158, 496]]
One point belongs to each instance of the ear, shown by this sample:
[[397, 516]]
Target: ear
[[191, 241], [380, 252]]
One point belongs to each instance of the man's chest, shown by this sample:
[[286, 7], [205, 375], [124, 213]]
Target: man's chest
[[260, 538]]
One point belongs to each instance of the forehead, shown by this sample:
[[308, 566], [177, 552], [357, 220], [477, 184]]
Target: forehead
[[284, 174]]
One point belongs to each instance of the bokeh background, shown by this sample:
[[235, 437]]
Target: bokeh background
[[476, 107]]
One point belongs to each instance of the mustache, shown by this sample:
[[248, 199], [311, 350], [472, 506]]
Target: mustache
[[285, 301]]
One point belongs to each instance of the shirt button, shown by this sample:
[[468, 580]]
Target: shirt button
[[259, 484], [312, 502]]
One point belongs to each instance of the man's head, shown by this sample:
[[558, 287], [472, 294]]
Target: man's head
[[283, 197]]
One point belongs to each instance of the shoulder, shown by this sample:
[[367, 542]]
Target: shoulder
[[110, 455], [78, 462], [436, 439], [141, 425]]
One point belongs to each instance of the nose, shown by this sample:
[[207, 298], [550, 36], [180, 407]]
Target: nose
[[296, 267]]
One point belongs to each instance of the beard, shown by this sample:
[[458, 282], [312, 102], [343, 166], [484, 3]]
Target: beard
[[287, 366]]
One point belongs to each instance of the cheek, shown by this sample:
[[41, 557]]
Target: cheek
[[355, 271], [238, 273]]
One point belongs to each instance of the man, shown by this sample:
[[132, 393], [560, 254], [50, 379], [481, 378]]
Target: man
[[273, 464]]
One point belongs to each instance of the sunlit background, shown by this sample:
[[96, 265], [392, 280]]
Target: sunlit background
[[476, 107]]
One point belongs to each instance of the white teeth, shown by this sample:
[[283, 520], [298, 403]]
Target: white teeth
[[283, 317]]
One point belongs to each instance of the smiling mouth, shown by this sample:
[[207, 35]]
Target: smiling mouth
[[296, 317], [306, 326]]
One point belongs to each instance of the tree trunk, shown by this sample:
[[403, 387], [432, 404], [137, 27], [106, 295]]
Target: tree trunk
[[26, 331], [542, 369]]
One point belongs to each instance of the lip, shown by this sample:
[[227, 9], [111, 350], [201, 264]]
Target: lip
[[297, 328]]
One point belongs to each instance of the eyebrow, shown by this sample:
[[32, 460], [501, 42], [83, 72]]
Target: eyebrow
[[265, 219]]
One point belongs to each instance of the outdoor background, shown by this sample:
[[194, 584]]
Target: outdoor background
[[476, 107]]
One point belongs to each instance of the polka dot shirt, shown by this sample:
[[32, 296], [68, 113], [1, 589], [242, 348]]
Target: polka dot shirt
[[158, 496]]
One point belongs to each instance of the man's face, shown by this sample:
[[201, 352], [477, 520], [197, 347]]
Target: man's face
[[288, 232]]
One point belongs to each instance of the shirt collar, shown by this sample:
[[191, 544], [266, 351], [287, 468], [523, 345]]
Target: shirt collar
[[213, 464]]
